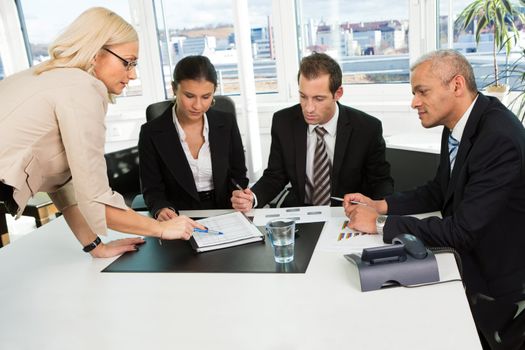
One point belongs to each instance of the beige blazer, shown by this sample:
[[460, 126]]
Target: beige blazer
[[52, 135]]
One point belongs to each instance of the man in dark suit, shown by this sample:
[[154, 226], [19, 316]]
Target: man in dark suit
[[347, 152], [479, 189]]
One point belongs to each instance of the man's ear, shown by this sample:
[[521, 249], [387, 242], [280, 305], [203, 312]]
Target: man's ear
[[460, 85], [338, 93]]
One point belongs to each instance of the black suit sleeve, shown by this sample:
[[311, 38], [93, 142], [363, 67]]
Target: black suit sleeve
[[151, 180], [379, 182], [494, 168]]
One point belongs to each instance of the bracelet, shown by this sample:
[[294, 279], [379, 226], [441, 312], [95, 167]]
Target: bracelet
[[92, 245]]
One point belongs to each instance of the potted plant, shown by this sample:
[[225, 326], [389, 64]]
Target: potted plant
[[497, 17]]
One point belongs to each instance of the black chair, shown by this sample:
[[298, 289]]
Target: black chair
[[222, 103], [123, 172]]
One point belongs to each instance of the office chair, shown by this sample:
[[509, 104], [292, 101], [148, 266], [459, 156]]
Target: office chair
[[123, 172], [222, 103]]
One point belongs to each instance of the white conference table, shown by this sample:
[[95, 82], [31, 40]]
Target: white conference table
[[53, 296]]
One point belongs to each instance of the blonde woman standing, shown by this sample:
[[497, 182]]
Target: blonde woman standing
[[52, 134]]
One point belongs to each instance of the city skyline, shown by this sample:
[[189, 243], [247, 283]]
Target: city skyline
[[42, 31]]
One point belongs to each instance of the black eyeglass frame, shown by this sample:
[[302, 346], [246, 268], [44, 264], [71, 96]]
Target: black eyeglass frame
[[128, 64]]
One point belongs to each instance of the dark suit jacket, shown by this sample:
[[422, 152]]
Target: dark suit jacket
[[359, 157], [166, 177], [482, 204]]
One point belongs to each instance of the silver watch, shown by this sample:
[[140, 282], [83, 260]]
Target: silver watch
[[380, 223]]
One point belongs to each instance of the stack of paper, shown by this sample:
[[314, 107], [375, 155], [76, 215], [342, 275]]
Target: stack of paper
[[235, 229]]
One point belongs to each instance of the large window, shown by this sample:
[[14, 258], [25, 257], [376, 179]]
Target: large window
[[480, 56], [45, 20], [368, 38], [208, 29]]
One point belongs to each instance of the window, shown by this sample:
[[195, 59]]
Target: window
[[479, 56], [43, 26], [368, 38], [211, 33]]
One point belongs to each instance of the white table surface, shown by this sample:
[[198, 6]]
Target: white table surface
[[53, 296]]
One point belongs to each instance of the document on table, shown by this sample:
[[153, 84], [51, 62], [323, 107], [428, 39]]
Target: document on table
[[235, 230], [299, 214], [338, 237]]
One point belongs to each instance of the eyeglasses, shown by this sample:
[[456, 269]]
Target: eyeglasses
[[128, 64]]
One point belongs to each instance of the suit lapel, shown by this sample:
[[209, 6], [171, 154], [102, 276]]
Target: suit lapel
[[173, 156], [219, 146], [299, 134], [465, 144], [344, 130]]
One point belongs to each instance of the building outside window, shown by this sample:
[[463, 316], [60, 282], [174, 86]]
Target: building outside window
[[211, 33], [368, 39]]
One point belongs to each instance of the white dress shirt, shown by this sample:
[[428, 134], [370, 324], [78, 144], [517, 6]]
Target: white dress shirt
[[200, 167], [457, 132]]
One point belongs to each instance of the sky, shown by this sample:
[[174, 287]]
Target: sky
[[46, 19]]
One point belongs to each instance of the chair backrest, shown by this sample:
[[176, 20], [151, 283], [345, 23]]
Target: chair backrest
[[222, 103], [123, 172]]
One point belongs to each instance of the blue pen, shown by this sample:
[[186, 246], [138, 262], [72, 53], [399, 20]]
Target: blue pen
[[213, 232]]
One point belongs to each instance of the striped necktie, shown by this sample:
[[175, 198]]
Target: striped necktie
[[453, 146], [322, 170]]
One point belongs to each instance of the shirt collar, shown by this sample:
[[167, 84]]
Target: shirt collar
[[330, 126], [457, 132], [180, 130]]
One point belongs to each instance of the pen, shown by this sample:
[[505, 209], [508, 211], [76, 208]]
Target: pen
[[208, 231], [237, 185], [342, 200]]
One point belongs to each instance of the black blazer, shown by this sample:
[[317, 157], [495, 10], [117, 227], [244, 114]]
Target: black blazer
[[166, 177], [482, 204], [359, 157]]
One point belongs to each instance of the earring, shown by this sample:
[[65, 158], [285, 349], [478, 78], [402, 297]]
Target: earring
[[212, 102]]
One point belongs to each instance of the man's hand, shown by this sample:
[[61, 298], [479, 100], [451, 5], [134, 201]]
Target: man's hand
[[242, 200], [362, 218], [166, 214], [380, 206]]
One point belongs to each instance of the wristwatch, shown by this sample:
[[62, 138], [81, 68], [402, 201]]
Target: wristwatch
[[380, 223], [92, 245]]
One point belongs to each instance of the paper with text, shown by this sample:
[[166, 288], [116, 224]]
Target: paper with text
[[300, 214], [236, 228]]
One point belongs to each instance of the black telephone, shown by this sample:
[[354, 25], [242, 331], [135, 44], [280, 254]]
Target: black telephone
[[405, 262], [403, 244]]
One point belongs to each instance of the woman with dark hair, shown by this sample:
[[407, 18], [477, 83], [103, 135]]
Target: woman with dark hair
[[191, 153]]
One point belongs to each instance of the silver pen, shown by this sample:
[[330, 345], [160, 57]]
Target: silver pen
[[342, 200]]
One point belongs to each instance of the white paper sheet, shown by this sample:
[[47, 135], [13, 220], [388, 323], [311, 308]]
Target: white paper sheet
[[300, 214], [234, 226], [337, 237]]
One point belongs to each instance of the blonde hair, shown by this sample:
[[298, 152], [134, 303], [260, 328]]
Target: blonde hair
[[94, 29]]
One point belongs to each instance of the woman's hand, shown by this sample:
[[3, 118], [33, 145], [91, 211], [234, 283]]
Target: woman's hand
[[166, 214], [117, 247], [180, 227]]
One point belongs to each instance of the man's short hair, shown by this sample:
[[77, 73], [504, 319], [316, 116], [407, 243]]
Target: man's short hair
[[318, 64], [446, 64]]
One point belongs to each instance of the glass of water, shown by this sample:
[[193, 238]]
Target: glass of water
[[281, 232]]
